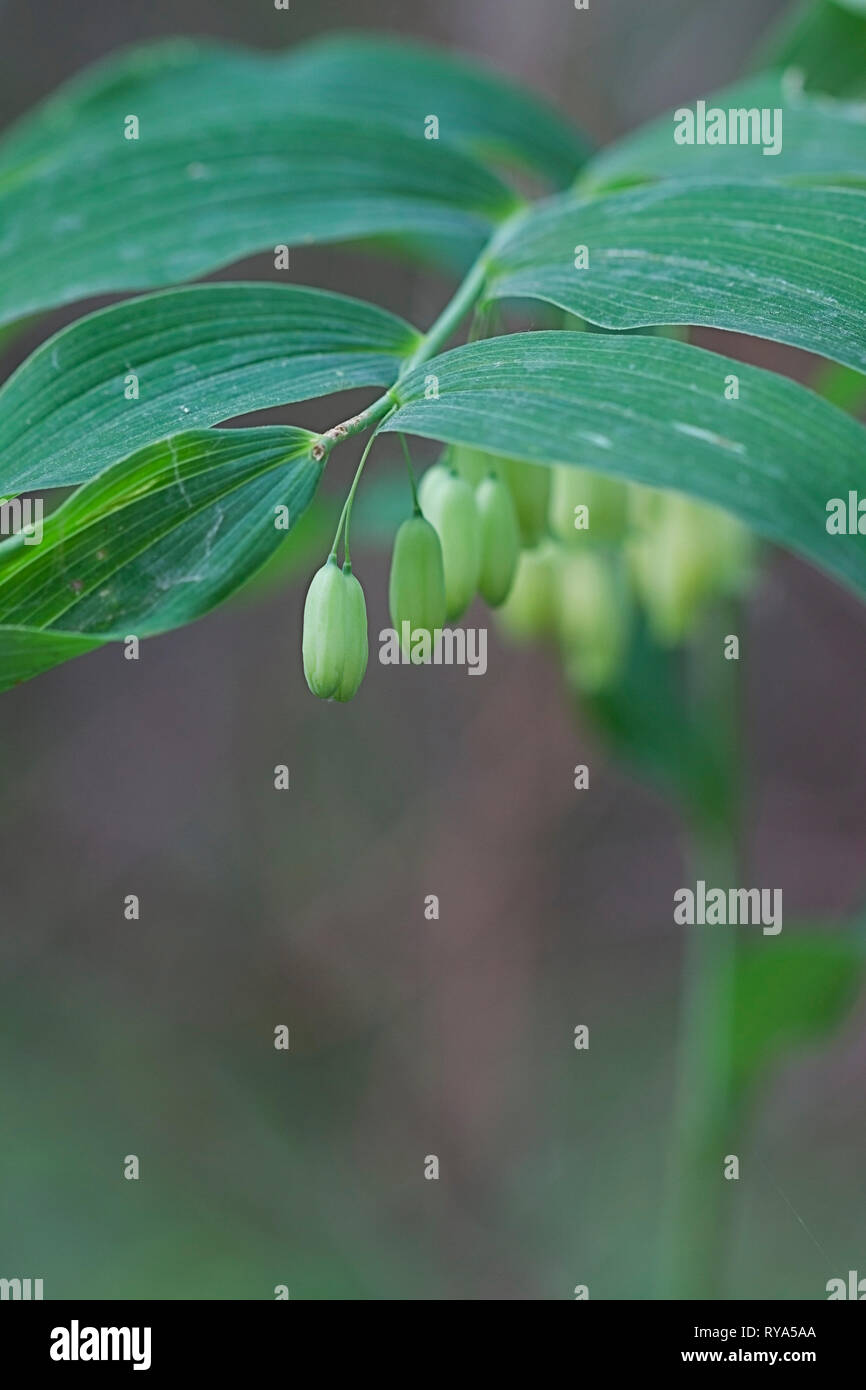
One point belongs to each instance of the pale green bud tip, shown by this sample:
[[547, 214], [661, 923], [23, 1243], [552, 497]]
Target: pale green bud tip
[[500, 539], [530, 610], [430, 484], [416, 588], [335, 633], [530, 490], [587, 505], [683, 554], [453, 512], [593, 619]]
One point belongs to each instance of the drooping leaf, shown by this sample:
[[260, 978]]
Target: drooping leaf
[[380, 79], [779, 262], [477, 107], [789, 992], [162, 536], [201, 355], [300, 554], [825, 42], [28, 652], [653, 410], [822, 141], [124, 214]]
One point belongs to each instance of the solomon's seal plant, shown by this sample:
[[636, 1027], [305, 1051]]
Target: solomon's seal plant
[[232, 152], [603, 480]]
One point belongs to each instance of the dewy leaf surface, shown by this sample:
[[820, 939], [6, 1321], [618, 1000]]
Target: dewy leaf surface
[[653, 410], [200, 355], [776, 261]]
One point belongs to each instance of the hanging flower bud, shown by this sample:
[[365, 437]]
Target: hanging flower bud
[[593, 619], [500, 540], [530, 490], [356, 647], [586, 504], [471, 464], [416, 588], [335, 633], [682, 554], [529, 612], [430, 483], [450, 506]]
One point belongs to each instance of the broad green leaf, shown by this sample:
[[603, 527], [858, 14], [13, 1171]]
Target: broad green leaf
[[775, 261], [825, 42], [201, 355], [405, 82], [788, 992], [653, 410], [822, 141], [379, 79], [162, 536], [300, 554], [27, 652], [841, 386], [193, 195]]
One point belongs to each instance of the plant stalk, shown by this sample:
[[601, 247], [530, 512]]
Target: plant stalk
[[465, 298], [704, 1118]]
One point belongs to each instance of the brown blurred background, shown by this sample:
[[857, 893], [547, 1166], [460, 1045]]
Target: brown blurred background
[[306, 908]]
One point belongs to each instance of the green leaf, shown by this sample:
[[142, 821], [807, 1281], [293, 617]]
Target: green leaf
[[379, 79], [202, 355], [653, 410], [300, 554], [790, 992], [778, 262], [822, 140], [477, 108], [161, 537], [28, 652], [198, 193], [825, 42], [841, 386]]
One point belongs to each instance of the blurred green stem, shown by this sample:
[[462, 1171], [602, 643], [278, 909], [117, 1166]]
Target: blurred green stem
[[703, 1127]]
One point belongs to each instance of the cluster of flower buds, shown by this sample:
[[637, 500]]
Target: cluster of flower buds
[[566, 555], [613, 548]]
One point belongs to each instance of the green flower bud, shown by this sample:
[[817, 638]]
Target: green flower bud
[[335, 633], [451, 509], [645, 506], [500, 540], [684, 553], [605, 500], [530, 489], [416, 588], [593, 619], [471, 464], [430, 483], [530, 610], [356, 648]]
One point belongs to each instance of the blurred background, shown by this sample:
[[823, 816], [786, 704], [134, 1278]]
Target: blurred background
[[409, 1037]]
